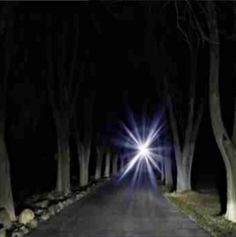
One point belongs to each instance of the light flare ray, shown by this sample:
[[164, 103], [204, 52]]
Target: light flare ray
[[144, 149]]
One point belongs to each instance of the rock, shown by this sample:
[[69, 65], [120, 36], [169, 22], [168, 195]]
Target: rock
[[61, 205], [58, 207], [42, 204], [26, 216], [64, 203], [67, 202], [24, 230], [45, 216], [31, 200], [70, 201], [50, 196], [67, 196], [57, 196], [33, 224], [52, 210], [3, 232], [78, 196], [5, 218], [17, 234], [15, 226], [88, 189], [39, 211]]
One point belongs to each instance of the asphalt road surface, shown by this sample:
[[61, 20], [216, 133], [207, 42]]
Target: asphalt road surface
[[120, 209]]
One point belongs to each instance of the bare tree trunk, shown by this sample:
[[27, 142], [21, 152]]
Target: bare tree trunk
[[115, 164], [177, 148], [107, 165], [6, 198], [184, 155], [84, 158], [63, 162], [183, 181], [6, 35], [168, 169], [168, 172], [234, 125], [62, 93], [162, 171], [122, 164], [84, 151], [184, 159], [223, 141], [84, 143], [98, 171]]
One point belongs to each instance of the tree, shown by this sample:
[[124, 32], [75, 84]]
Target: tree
[[184, 148], [168, 164], [122, 164], [6, 34], [107, 163], [184, 154], [63, 91], [162, 169], [226, 145], [162, 161], [100, 156], [115, 157], [84, 139]]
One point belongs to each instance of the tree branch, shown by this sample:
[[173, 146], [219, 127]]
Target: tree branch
[[179, 26]]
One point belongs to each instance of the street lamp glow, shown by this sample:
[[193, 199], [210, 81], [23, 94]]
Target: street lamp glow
[[143, 150]]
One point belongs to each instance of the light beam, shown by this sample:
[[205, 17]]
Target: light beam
[[144, 144]]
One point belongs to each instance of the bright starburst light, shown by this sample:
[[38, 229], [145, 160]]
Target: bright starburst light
[[143, 147], [143, 150]]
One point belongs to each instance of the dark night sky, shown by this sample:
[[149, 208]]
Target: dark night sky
[[110, 40]]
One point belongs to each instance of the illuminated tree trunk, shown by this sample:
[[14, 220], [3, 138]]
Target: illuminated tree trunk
[[168, 169], [184, 153], [107, 164], [84, 158], [98, 171], [122, 164], [62, 92], [6, 35], [176, 143], [6, 199], [168, 172], [115, 164], [63, 156], [234, 125], [162, 171], [84, 139], [184, 158], [225, 144]]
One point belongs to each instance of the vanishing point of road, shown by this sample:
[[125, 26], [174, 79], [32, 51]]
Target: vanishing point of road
[[120, 209]]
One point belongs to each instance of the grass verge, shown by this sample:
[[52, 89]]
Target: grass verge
[[203, 208]]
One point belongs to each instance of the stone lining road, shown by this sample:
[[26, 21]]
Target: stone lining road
[[119, 209]]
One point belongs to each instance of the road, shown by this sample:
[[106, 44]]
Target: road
[[119, 209]]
